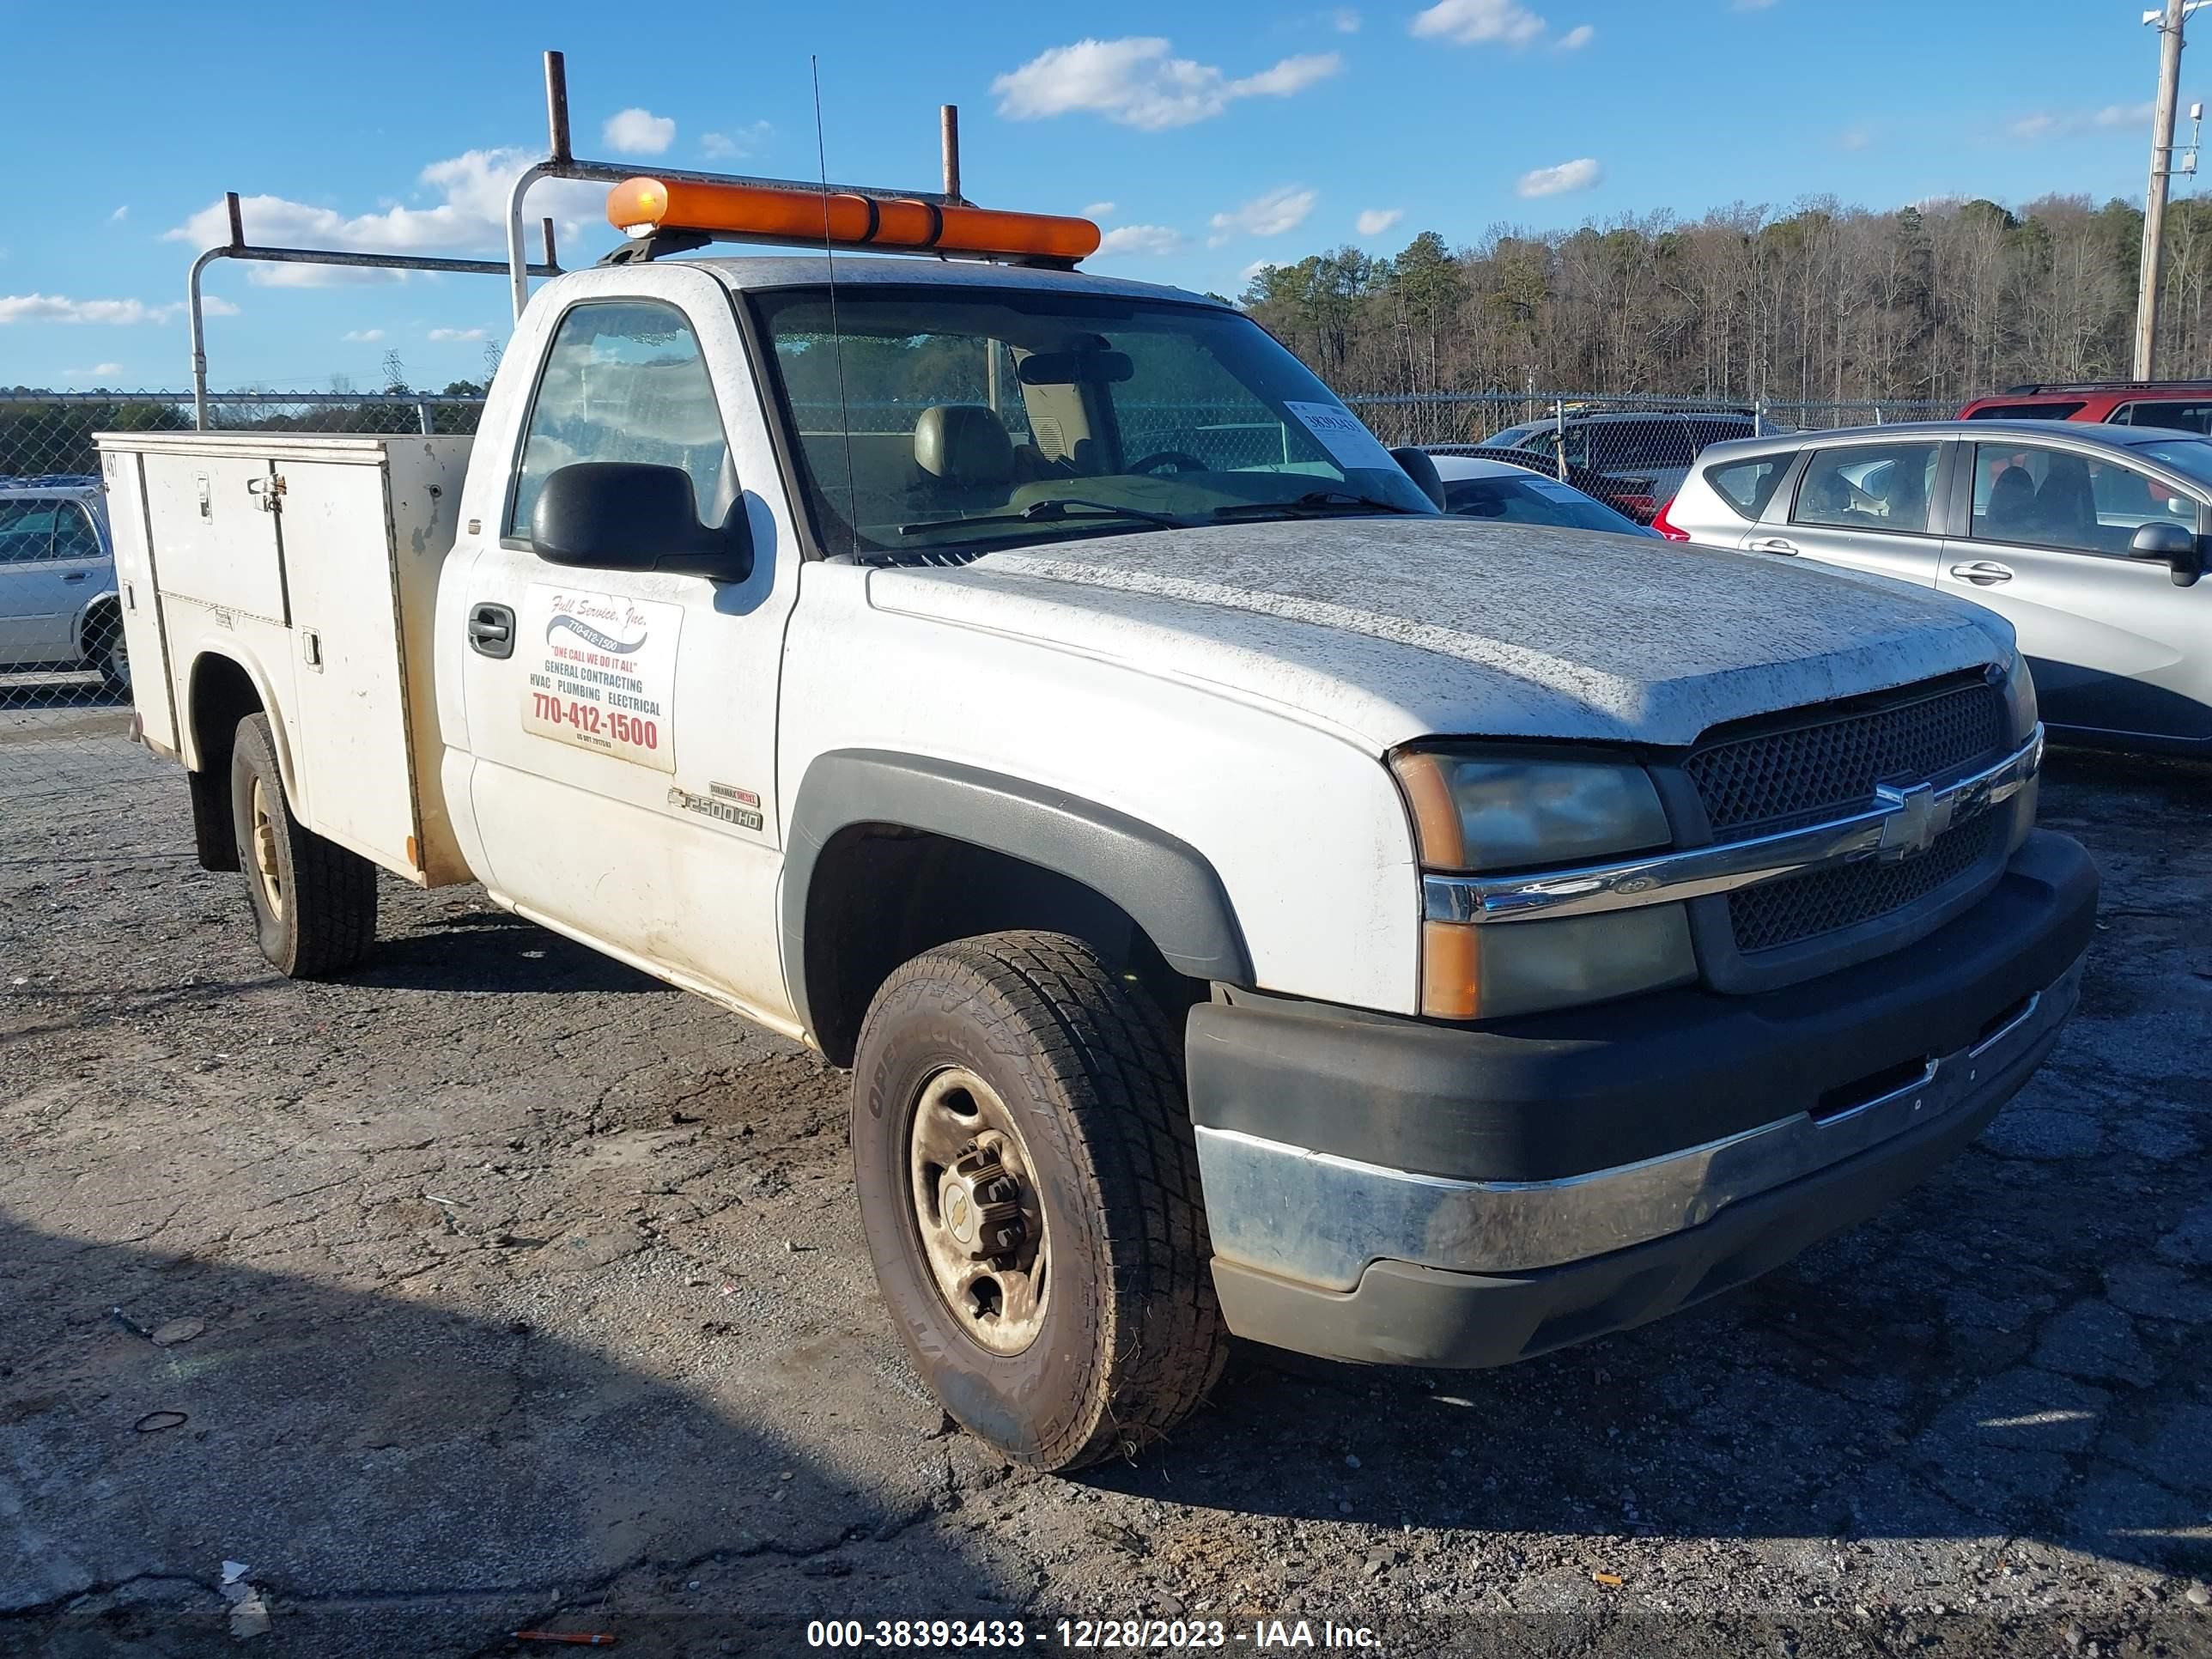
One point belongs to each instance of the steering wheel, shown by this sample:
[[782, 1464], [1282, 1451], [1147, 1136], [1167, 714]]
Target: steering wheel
[[1182, 459]]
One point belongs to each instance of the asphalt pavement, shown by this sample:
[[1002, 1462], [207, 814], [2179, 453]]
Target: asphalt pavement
[[501, 1288]]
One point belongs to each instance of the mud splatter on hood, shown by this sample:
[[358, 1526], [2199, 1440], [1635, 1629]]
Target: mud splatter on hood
[[1392, 629]]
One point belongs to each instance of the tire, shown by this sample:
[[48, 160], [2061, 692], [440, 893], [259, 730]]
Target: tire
[[313, 902], [106, 650], [1126, 1335]]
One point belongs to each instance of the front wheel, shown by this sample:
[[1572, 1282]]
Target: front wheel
[[1029, 1191], [314, 902]]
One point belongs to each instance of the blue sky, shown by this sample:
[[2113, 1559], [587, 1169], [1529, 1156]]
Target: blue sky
[[1207, 137]]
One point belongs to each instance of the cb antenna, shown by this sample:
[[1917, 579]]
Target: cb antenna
[[837, 335]]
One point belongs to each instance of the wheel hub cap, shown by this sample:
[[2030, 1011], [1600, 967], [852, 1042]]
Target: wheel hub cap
[[975, 1211], [265, 853]]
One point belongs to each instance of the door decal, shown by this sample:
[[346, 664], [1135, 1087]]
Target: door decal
[[603, 674]]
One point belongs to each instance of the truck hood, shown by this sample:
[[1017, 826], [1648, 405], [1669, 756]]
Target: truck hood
[[1389, 629]]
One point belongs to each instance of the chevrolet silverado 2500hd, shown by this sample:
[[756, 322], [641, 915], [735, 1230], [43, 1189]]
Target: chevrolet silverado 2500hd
[[1248, 901]]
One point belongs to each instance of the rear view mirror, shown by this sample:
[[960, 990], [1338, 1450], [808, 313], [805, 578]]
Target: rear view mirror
[[1421, 468], [1070, 367], [2173, 545], [627, 515]]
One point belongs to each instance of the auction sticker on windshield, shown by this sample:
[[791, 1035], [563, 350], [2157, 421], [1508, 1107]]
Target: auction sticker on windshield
[[1350, 445], [602, 673]]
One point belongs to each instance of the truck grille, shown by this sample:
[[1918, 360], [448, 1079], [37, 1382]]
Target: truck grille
[[1793, 908], [1767, 781], [1830, 767]]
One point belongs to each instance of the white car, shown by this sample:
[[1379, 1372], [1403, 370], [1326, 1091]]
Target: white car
[[1477, 487], [58, 597]]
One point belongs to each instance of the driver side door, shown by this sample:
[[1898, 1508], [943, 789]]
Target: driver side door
[[621, 723]]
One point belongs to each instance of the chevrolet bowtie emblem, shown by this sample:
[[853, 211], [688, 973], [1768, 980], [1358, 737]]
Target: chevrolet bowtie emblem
[[1917, 817]]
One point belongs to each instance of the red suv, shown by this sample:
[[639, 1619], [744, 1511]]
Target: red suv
[[2185, 404]]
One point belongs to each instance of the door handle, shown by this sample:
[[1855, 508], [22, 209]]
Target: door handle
[[1774, 544], [491, 630], [1983, 573], [75, 575]]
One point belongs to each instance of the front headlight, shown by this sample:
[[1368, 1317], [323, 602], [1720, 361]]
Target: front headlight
[[1476, 809]]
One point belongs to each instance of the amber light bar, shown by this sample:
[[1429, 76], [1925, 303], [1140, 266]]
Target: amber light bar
[[795, 215]]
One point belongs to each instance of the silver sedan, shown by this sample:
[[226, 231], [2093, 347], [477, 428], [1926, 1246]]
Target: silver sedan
[[2090, 540], [58, 594]]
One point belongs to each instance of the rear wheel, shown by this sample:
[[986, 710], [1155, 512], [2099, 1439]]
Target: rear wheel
[[106, 650], [313, 902], [1029, 1191]]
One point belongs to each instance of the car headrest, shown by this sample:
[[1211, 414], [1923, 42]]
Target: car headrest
[[964, 444]]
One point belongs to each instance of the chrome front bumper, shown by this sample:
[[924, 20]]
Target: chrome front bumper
[[1320, 1219]]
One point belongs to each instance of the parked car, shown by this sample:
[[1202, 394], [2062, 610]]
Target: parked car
[[57, 595], [1639, 458], [2185, 405], [2078, 535], [1480, 486]]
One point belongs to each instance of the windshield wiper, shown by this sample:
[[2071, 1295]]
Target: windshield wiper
[[1317, 500], [1053, 511]]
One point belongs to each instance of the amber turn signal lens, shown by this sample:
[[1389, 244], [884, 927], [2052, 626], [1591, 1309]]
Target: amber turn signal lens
[[1449, 987], [1440, 834], [637, 207]]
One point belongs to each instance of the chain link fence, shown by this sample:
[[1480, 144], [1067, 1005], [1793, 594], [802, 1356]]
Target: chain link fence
[[1632, 453]]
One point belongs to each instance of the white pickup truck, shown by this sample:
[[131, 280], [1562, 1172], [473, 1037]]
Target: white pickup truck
[[1248, 902]]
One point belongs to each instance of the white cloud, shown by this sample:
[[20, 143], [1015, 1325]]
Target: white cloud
[[638, 132], [1478, 23], [1142, 239], [214, 305], [1855, 137], [2045, 124], [1253, 270], [97, 371], [1099, 210], [119, 215], [468, 216], [1373, 221], [1134, 81], [56, 308], [1578, 174], [363, 336], [1345, 21], [748, 140], [449, 334], [1271, 215], [1576, 38]]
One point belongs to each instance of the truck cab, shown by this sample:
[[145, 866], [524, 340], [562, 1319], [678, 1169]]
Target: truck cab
[[1248, 901]]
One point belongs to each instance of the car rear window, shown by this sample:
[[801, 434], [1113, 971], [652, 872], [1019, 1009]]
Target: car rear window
[[1534, 500], [2029, 411], [1748, 486]]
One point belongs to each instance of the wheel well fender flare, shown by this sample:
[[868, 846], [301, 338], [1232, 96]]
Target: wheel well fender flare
[[196, 759], [1165, 884]]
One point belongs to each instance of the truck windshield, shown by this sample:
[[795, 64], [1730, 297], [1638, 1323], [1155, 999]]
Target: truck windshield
[[938, 416]]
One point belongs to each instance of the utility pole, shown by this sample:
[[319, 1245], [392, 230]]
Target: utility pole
[[2151, 272]]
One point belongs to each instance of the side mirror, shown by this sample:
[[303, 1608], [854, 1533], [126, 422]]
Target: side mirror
[[627, 515], [1421, 467], [2173, 545]]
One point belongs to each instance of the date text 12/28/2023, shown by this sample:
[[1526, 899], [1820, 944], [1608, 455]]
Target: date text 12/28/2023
[[1093, 1635]]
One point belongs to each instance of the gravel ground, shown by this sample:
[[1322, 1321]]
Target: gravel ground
[[501, 1288]]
